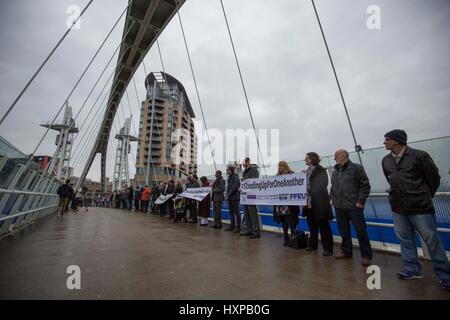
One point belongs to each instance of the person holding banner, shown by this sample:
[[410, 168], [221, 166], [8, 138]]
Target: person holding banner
[[193, 183], [251, 220], [218, 188], [287, 215], [233, 200], [169, 190], [318, 210], [204, 206]]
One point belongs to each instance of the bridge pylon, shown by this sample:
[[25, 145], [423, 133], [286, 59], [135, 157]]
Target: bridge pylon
[[121, 167]]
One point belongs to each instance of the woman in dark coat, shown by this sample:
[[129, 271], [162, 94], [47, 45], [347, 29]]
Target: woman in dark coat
[[318, 212], [287, 215], [204, 207]]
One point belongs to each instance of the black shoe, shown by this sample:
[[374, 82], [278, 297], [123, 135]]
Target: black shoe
[[311, 249], [246, 234], [213, 226], [229, 229], [203, 225], [327, 253], [255, 236], [193, 221]]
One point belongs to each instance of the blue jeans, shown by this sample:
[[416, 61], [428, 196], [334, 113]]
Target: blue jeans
[[406, 227]]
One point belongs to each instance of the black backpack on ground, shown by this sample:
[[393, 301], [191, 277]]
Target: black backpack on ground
[[299, 241]]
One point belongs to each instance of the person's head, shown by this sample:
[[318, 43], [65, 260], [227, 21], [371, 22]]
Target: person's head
[[230, 170], [395, 140], [341, 157], [218, 174], [194, 177], [312, 159], [67, 181], [283, 168], [204, 180], [247, 162]]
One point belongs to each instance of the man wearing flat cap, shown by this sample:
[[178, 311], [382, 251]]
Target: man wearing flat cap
[[414, 179]]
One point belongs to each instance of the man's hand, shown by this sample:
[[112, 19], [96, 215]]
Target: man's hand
[[359, 205]]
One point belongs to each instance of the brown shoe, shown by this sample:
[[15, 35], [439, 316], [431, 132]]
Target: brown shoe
[[366, 262], [343, 256]]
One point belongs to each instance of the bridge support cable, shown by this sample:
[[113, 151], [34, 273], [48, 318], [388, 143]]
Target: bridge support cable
[[70, 94], [90, 131], [120, 126], [196, 88], [78, 81], [152, 121], [243, 85], [103, 71], [358, 148], [94, 119], [95, 84], [131, 113], [11, 107]]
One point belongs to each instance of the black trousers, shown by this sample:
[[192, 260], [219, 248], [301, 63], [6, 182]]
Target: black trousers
[[193, 210], [235, 215], [326, 235], [217, 208], [356, 217]]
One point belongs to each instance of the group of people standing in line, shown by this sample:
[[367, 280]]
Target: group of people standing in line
[[412, 176]]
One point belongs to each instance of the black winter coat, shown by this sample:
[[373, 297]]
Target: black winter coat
[[233, 187], [413, 182], [349, 185], [320, 200]]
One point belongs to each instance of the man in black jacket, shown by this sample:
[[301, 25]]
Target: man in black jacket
[[350, 188], [233, 200], [414, 179], [251, 218], [65, 193]]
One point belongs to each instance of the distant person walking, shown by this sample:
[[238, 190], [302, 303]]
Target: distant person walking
[[350, 188], [414, 179], [65, 194]]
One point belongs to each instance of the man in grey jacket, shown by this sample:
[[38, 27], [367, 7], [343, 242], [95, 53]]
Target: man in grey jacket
[[233, 200], [251, 219], [350, 188], [218, 188]]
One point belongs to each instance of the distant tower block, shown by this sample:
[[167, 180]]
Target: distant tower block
[[59, 165], [121, 168]]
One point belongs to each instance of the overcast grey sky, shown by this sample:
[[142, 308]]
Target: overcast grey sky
[[396, 77]]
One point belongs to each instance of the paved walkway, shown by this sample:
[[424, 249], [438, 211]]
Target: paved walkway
[[126, 255]]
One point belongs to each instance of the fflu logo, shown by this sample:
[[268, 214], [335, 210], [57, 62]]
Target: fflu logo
[[74, 280]]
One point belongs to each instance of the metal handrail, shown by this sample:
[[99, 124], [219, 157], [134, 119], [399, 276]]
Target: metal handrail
[[28, 193], [369, 223], [3, 218], [385, 194]]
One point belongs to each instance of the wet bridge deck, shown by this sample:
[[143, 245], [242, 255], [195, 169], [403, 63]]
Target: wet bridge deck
[[126, 255]]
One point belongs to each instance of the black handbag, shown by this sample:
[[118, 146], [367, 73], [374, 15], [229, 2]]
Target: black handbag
[[299, 241]]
